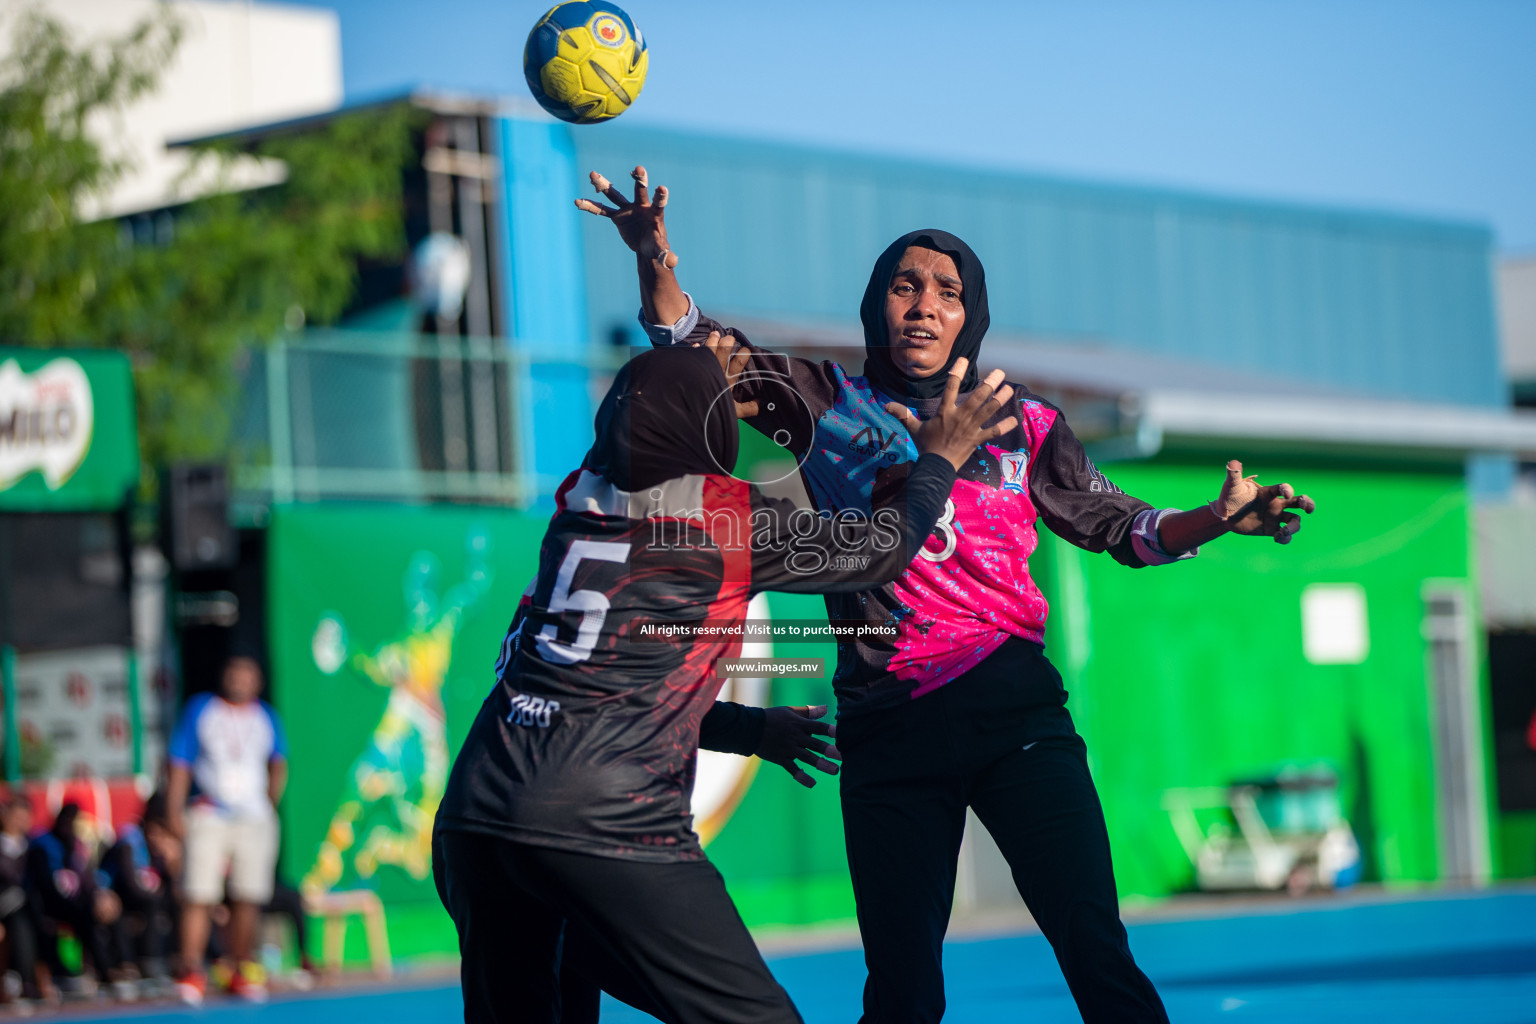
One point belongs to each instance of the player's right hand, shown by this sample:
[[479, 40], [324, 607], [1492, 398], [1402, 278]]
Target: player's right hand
[[958, 428], [733, 361], [641, 223]]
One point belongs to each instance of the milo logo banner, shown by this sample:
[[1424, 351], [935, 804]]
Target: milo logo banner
[[68, 437], [385, 624]]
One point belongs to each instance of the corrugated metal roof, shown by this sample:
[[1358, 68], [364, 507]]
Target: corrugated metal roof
[[1389, 305]]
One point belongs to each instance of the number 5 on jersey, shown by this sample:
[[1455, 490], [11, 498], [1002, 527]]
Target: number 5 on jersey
[[592, 605]]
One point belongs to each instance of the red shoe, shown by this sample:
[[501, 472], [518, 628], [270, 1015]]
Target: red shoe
[[192, 987], [249, 982]]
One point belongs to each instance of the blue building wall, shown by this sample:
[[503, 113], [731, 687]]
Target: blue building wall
[[1382, 304], [544, 287]]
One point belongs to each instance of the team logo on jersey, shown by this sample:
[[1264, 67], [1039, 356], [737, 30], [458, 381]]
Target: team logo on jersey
[[1015, 465], [874, 442], [608, 30], [535, 711]]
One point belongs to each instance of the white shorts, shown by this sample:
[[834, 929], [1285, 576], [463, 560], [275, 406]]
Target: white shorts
[[244, 849]]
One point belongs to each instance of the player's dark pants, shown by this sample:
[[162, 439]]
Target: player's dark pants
[[909, 774], [666, 934]]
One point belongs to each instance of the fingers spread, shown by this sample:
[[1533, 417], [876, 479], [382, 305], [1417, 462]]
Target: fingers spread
[[976, 399], [597, 208], [642, 193], [813, 749], [821, 764], [800, 776], [816, 711], [1304, 503], [1001, 427], [952, 386], [605, 186], [661, 196], [1003, 395]]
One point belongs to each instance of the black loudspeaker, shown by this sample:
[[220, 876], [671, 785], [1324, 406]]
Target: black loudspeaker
[[198, 533]]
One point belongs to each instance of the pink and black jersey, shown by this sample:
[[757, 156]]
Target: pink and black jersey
[[969, 590]]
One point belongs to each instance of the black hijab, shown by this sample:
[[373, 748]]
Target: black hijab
[[666, 415], [878, 366]]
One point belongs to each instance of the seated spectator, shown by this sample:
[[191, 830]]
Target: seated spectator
[[18, 910], [141, 868], [62, 875]]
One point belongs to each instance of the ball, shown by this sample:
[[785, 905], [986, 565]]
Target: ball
[[585, 61]]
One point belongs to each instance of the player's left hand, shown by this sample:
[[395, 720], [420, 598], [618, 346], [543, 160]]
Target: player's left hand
[[1256, 510], [792, 735]]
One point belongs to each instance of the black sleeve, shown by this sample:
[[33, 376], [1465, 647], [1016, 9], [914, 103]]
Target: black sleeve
[[791, 393], [1078, 502], [796, 550], [125, 876], [732, 728]]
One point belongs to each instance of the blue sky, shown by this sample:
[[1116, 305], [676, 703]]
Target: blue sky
[[1406, 105]]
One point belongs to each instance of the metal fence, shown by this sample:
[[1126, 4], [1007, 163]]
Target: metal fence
[[400, 416]]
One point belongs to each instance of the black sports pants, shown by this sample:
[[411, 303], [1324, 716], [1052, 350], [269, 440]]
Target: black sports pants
[[908, 775], [664, 934]]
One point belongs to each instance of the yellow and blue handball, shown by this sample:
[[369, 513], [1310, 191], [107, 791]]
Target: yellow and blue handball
[[585, 61]]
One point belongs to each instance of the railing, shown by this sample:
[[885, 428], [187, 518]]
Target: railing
[[343, 414]]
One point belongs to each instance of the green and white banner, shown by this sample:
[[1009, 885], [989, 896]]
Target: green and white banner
[[68, 436]]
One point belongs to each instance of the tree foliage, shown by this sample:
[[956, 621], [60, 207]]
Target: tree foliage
[[232, 268]]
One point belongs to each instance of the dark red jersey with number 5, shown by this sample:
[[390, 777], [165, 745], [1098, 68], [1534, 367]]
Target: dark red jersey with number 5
[[589, 738]]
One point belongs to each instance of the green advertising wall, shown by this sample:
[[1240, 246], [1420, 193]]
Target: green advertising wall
[[385, 622], [1193, 674], [1185, 675]]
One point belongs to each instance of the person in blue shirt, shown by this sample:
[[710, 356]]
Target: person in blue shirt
[[228, 766]]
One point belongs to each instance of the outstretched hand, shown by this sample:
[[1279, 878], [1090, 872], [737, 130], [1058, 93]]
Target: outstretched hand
[[791, 735], [1256, 510], [958, 428], [641, 223]]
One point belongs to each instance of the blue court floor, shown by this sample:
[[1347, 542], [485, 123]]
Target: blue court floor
[[1467, 959]]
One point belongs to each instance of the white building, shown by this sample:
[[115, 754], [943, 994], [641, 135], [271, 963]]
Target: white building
[[238, 64]]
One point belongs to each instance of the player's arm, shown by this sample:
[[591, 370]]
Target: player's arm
[[277, 778], [796, 550], [779, 396], [1081, 506], [181, 754], [786, 736]]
